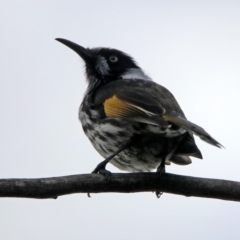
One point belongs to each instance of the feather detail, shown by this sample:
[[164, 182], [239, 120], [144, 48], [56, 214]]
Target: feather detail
[[193, 128], [114, 107]]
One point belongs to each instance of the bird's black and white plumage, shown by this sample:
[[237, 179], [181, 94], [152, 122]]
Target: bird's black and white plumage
[[131, 120]]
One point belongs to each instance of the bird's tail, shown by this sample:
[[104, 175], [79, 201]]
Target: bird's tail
[[193, 128]]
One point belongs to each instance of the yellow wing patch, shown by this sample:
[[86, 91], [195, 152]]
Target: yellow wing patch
[[115, 107]]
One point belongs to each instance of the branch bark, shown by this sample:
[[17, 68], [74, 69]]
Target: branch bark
[[122, 183]]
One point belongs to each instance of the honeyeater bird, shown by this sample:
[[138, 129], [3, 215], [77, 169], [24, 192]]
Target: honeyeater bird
[[133, 122]]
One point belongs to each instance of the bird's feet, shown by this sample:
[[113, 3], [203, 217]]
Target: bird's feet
[[158, 194], [101, 169], [160, 170]]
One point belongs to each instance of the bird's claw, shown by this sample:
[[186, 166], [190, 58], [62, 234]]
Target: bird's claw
[[161, 170], [158, 194], [100, 167], [105, 173], [102, 170]]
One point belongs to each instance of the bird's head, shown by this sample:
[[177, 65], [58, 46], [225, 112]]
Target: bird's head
[[105, 64]]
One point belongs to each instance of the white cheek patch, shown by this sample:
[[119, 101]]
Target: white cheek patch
[[102, 66]]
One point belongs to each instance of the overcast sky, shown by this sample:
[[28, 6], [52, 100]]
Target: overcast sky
[[190, 47]]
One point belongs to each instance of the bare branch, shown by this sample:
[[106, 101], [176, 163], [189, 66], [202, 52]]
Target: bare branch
[[121, 183]]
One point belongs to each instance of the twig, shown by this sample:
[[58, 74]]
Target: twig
[[122, 183]]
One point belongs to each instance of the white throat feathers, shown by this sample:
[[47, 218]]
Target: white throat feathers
[[135, 73]]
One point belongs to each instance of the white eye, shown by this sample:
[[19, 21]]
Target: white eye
[[113, 59]]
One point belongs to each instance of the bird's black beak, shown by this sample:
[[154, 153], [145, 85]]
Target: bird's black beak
[[85, 54]]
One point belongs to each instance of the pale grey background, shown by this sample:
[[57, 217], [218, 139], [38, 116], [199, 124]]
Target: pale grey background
[[190, 47]]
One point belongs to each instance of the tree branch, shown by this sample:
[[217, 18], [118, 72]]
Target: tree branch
[[122, 183]]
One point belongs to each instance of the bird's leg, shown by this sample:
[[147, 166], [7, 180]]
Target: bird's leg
[[101, 167], [161, 170]]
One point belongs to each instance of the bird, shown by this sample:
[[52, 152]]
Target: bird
[[133, 122]]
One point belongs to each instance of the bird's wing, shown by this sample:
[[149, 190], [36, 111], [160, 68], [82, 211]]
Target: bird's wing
[[128, 99], [148, 102]]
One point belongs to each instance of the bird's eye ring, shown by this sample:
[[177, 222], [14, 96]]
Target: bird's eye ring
[[113, 59]]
